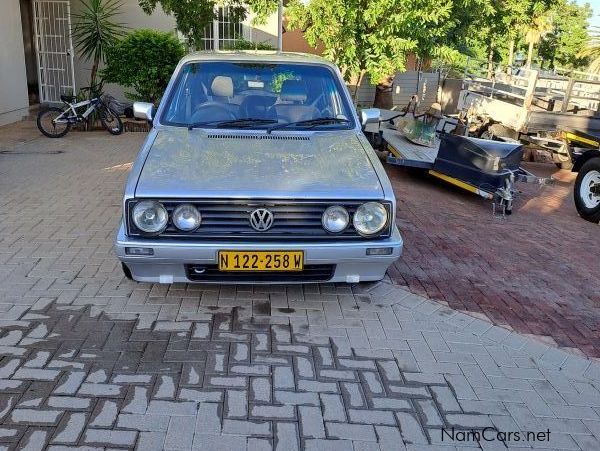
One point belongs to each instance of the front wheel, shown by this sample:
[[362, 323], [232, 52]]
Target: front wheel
[[111, 121], [587, 191], [51, 124]]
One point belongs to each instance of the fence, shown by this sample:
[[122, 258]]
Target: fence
[[405, 85]]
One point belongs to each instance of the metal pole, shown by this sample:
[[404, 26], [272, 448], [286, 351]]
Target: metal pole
[[280, 25]]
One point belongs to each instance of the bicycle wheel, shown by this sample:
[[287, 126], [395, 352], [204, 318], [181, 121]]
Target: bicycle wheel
[[111, 121], [46, 123]]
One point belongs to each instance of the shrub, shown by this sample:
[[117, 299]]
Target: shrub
[[244, 44], [143, 60]]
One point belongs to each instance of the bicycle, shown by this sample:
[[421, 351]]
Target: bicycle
[[55, 122]]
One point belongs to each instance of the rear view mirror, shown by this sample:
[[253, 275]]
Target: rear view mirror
[[369, 116], [143, 110]]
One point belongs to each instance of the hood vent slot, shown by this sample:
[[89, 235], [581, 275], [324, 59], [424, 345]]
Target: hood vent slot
[[253, 137]]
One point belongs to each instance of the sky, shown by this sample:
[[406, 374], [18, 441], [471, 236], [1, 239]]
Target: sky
[[595, 4]]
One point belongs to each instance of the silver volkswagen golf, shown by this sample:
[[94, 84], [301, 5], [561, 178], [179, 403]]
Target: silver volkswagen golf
[[256, 170]]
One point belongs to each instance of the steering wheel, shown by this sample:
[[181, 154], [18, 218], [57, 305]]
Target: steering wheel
[[213, 110]]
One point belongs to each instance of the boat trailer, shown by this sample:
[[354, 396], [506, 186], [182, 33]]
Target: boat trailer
[[487, 168]]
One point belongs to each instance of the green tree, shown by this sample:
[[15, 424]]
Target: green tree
[[95, 31], [144, 60], [374, 37], [192, 16], [563, 45]]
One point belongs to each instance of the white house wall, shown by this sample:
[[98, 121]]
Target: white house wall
[[14, 102], [266, 32]]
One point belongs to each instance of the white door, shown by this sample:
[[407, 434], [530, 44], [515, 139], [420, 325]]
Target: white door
[[54, 48]]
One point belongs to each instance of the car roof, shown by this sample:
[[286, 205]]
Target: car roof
[[264, 56]]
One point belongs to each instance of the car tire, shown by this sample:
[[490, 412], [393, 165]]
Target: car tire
[[588, 203], [126, 271]]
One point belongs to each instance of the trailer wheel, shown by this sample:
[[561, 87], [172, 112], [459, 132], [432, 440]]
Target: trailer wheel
[[587, 191]]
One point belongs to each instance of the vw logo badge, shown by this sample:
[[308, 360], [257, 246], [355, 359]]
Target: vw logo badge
[[261, 219]]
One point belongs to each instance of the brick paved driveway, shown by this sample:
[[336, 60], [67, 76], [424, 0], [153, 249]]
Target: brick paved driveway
[[88, 358], [537, 272]]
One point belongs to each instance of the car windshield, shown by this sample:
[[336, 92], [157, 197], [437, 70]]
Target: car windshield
[[257, 95]]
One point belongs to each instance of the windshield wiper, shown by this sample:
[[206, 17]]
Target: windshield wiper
[[242, 122], [309, 123]]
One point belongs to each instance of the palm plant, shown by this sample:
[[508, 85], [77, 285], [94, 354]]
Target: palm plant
[[540, 26], [592, 50], [95, 31]]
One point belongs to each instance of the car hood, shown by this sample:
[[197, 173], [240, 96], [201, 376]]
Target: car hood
[[195, 163]]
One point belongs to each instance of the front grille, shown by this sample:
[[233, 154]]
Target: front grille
[[231, 220], [211, 273]]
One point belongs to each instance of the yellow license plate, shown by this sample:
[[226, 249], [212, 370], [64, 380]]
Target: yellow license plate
[[261, 260]]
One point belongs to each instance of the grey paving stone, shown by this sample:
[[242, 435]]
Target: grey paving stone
[[107, 414], [250, 370], [206, 442], [283, 378], [36, 416], [410, 429], [333, 407], [219, 381], [208, 420], [236, 404], [138, 402], [260, 389], [36, 374], [389, 438], [72, 430], [286, 412], [286, 437], [172, 408], [151, 441], [166, 388], [180, 434], [244, 427], [139, 422], [391, 403], [311, 422], [35, 441], [68, 402], [110, 437], [71, 384], [187, 394], [317, 386], [347, 431], [100, 390], [295, 398], [371, 416], [327, 445]]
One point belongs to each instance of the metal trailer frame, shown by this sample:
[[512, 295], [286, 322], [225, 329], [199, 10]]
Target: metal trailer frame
[[404, 153]]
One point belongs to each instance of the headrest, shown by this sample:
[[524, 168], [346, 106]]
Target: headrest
[[293, 91], [222, 86]]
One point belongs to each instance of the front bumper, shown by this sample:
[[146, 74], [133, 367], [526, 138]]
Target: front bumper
[[168, 264]]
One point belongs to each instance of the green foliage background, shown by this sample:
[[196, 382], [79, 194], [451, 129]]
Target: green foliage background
[[143, 60]]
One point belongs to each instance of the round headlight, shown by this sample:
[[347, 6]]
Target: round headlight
[[186, 217], [370, 218], [150, 216], [335, 219]]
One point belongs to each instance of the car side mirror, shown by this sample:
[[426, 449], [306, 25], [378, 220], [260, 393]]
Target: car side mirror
[[143, 110], [369, 116]]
